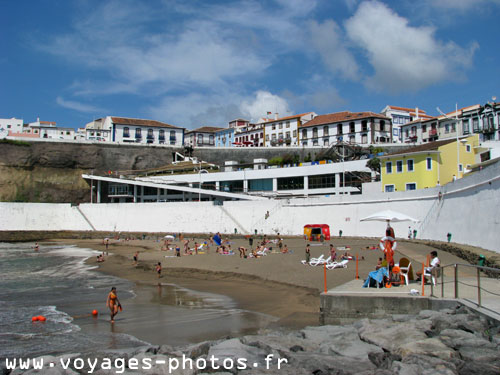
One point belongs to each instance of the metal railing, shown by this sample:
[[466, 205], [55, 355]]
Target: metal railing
[[488, 272]]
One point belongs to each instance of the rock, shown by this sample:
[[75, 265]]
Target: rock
[[342, 340], [313, 363], [428, 347], [477, 368], [233, 350], [390, 335], [465, 322], [455, 338], [480, 354], [296, 348], [383, 360], [163, 365], [424, 365], [280, 343]]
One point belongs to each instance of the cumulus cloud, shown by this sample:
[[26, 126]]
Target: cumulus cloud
[[264, 101], [329, 41], [77, 106], [404, 57]]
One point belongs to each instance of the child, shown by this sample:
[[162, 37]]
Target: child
[[158, 269]]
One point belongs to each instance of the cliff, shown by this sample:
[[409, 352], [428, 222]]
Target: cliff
[[51, 171]]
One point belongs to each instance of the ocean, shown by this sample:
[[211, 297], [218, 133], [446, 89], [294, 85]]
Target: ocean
[[55, 282]]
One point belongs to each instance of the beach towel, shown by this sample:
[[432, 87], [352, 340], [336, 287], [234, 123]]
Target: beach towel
[[377, 277]]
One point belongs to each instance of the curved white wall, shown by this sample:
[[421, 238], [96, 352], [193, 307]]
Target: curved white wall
[[469, 210]]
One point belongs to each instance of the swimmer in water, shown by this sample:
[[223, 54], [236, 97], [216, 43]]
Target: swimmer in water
[[113, 304]]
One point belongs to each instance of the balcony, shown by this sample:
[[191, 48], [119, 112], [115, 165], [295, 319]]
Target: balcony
[[433, 132]]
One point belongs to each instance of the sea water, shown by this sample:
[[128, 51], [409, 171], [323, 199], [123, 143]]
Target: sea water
[[55, 282]]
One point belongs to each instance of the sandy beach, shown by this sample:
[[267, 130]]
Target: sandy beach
[[276, 284]]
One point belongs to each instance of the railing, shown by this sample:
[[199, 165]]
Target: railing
[[433, 132], [490, 273]]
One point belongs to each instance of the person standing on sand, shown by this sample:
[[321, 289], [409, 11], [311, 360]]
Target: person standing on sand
[[308, 253], [136, 257], [113, 303], [186, 246], [333, 252], [158, 269]]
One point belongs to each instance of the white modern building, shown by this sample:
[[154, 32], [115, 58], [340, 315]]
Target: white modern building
[[12, 125], [235, 183], [132, 130], [284, 131], [351, 127]]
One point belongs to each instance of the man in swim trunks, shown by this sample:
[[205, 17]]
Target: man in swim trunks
[[136, 257], [113, 304]]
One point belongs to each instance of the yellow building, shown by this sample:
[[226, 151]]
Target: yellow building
[[428, 165]]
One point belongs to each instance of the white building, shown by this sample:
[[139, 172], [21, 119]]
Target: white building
[[202, 137], [12, 125], [400, 116], [251, 135], [236, 183], [131, 130], [358, 127], [285, 131]]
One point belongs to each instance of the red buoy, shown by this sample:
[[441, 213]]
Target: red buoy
[[95, 312], [34, 319], [41, 318]]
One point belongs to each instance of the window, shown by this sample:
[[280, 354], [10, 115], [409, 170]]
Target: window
[[322, 181], [273, 137], [200, 139], [267, 137], [288, 124], [290, 183], [411, 186], [409, 165], [126, 133], [295, 133], [315, 132], [325, 131], [447, 128], [399, 166], [161, 135], [274, 126], [281, 125], [388, 167], [465, 126], [172, 136], [460, 167], [138, 134], [304, 133], [475, 124], [352, 127], [389, 188], [211, 139], [287, 135], [364, 125], [424, 128], [467, 148], [383, 127], [325, 142], [339, 129], [150, 134], [364, 138], [429, 164], [315, 142], [352, 139]]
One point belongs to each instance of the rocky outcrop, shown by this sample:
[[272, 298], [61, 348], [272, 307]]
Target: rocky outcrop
[[447, 342]]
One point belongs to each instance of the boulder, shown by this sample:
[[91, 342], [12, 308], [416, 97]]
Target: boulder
[[389, 335], [234, 349], [432, 347], [313, 363], [456, 338]]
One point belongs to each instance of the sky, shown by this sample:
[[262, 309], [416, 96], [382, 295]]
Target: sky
[[205, 63]]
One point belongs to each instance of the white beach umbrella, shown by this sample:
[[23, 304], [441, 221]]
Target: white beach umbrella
[[169, 237], [389, 215]]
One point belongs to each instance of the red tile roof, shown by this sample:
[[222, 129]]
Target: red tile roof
[[206, 129], [287, 118], [430, 146], [141, 122], [407, 109], [341, 117]]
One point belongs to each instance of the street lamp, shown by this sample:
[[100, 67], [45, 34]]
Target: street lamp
[[456, 131], [199, 186]]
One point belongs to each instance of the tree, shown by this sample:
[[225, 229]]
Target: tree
[[374, 164]]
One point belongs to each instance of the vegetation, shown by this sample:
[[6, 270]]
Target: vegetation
[[15, 142]]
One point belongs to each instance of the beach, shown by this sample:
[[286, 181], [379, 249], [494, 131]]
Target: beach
[[277, 285]]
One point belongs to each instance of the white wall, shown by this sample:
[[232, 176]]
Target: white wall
[[468, 209]]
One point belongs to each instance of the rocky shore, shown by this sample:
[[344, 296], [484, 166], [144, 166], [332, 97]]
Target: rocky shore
[[432, 342]]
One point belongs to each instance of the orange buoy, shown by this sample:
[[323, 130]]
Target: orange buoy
[[41, 318], [95, 312], [34, 319]]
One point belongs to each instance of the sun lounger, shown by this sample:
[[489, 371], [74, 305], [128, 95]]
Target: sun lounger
[[320, 262], [341, 264], [320, 258]]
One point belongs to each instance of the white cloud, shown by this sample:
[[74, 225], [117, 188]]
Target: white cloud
[[404, 57], [77, 106], [264, 101], [329, 41]]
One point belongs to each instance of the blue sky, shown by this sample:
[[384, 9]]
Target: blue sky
[[198, 63]]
